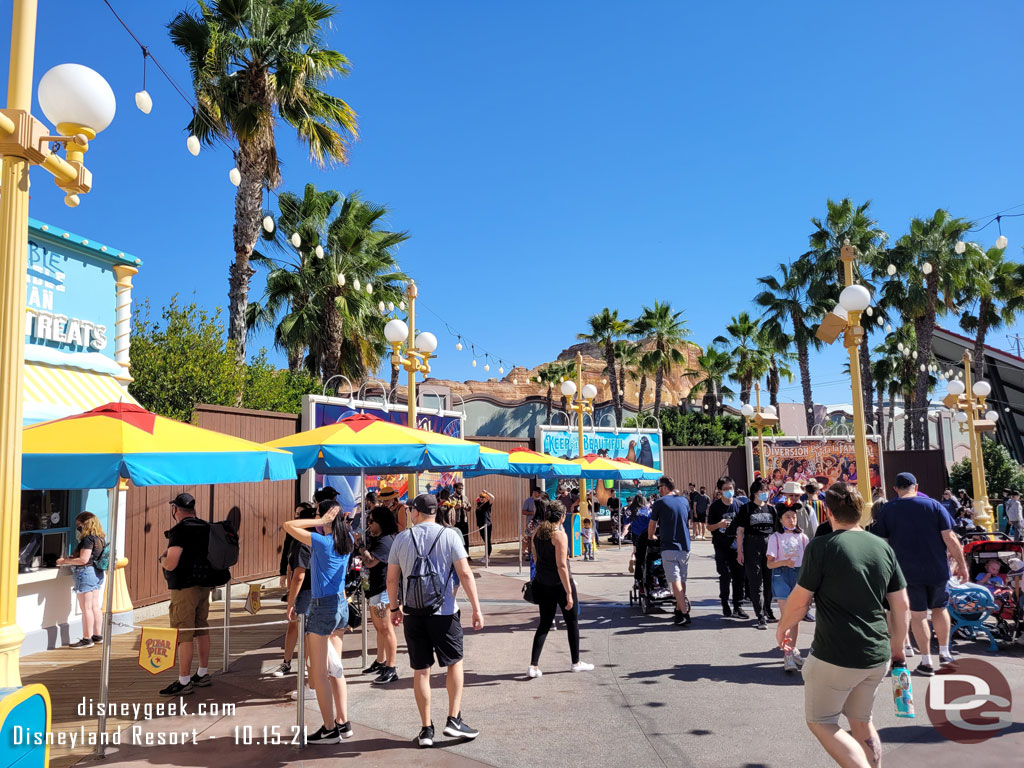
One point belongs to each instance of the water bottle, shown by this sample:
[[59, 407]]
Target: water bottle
[[902, 692]]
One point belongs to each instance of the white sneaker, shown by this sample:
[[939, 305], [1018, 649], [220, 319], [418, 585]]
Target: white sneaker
[[534, 672], [582, 666]]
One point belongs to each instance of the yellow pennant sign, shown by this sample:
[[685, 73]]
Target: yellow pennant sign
[[252, 602], [157, 649]]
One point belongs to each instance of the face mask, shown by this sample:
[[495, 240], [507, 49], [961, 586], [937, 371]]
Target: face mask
[[789, 526], [762, 496], [727, 495]]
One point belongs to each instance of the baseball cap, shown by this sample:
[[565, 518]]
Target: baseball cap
[[905, 480], [425, 504], [184, 500], [327, 493]]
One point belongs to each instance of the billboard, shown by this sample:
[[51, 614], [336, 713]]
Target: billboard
[[825, 460], [320, 411]]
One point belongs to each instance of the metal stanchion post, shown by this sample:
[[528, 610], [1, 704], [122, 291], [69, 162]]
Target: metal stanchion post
[[226, 663], [300, 687], [108, 625], [364, 630], [618, 525], [487, 546], [520, 543]]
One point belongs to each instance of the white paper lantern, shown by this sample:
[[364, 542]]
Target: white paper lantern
[[319, 251], [891, 270], [369, 288], [192, 144], [295, 239], [268, 224], [391, 306], [458, 346], [1001, 241], [144, 102], [960, 247], [474, 363], [234, 176], [926, 268], [341, 280], [356, 284]]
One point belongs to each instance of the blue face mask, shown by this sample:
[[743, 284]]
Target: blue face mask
[[762, 496], [727, 495]]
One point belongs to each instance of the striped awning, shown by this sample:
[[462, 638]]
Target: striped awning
[[53, 393]]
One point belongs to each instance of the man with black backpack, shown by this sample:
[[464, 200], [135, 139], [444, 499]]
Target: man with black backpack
[[422, 565], [190, 579]]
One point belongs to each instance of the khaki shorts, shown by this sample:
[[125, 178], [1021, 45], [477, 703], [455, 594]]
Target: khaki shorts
[[831, 690], [190, 608]]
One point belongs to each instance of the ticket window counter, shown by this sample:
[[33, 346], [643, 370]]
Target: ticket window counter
[[45, 530]]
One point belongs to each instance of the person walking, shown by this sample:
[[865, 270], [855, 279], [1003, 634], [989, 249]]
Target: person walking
[[328, 611], [700, 512], [553, 588], [920, 532], [484, 504], [756, 521], [459, 515], [87, 576], [381, 530], [528, 511], [187, 570], [1013, 516], [785, 554], [950, 503], [426, 556], [849, 573], [298, 595], [721, 514], [669, 525]]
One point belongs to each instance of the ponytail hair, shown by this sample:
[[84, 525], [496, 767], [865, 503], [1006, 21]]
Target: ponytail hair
[[554, 512], [340, 531]]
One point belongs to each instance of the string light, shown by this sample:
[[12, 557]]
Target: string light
[[891, 270], [192, 143], [142, 99], [369, 288], [1002, 242], [355, 284], [926, 268], [960, 247], [295, 239], [234, 176], [319, 251]]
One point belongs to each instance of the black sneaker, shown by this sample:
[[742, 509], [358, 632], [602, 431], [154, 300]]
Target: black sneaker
[[455, 727], [770, 617], [282, 669], [387, 675], [726, 611], [947, 660], [684, 620], [324, 736], [924, 670], [85, 642], [97, 639], [426, 737], [177, 689], [677, 617], [739, 613], [344, 730], [202, 681], [760, 624], [375, 667]]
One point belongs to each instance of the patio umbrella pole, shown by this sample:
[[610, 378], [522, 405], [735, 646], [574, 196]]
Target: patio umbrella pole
[[520, 543], [300, 713], [226, 663], [108, 622], [362, 526]]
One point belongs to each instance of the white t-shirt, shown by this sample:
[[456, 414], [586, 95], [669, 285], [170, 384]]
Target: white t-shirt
[[787, 546]]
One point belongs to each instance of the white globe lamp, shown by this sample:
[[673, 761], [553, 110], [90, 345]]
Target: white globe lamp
[[589, 391], [992, 416], [76, 99], [396, 331], [981, 389], [747, 410], [855, 298], [568, 388], [426, 342], [955, 387]]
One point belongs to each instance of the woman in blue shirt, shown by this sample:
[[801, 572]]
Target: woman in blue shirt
[[328, 611]]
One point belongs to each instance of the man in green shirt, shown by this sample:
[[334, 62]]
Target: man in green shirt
[[848, 574]]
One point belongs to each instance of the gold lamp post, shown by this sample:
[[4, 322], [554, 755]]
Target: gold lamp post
[[759, 419], [967, 402], [419, 350], [81, 104], [581, 401], [845, 319]]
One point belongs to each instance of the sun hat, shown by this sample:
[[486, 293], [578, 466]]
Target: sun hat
[[386, 493], [792, 486]]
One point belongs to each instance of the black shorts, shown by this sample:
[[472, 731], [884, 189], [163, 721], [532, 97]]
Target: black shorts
[[925, 596], [426, 636], [701, 517]]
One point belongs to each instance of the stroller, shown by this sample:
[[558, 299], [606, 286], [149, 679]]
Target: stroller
[[650, 587], [972, 604]]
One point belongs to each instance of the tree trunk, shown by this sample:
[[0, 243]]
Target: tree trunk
[[774, 382], [295, 357], [609, 368], [252, 165], [892, 419], [866, 380], [924, 328], [622, 389], [331, 360], [804, 360], [984, 309], [879, 410], [394, 382], [745, 386], [908, 423], [659, 381], [550, 404], [640, 397]]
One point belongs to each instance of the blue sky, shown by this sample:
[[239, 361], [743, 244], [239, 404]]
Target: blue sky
[[553, 158]]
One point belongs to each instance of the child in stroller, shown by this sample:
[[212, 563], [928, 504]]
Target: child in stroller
[[650, 587], [997, 563]]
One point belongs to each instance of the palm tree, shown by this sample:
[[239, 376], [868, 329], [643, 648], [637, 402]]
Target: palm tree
[[552, 374], [626, 359], [669, 332], [340, 327], [641, 370], [927, 266], [605, 328], [749, 362], [775, 344], [714, 366], [845, 221], [253, 62], [787, 305], [995, 288], [286, 287]]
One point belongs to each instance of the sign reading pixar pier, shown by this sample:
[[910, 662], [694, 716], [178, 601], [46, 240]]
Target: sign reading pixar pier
[[69, 298]]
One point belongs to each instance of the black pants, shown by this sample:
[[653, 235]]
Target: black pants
[[548, 599], [487, 533], [464, 527], [730, 572], [759, 578]]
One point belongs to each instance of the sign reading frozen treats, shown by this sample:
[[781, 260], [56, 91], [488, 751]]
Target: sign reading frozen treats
[[68, 298]]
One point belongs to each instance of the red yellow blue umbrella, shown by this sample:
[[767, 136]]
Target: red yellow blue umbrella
[[522, 462]]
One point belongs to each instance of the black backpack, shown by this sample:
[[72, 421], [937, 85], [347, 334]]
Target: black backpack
[[223, 549], [424, 591]]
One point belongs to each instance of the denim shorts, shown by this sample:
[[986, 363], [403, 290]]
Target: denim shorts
[[87, 578], [302, 601], [783, 581], [326, 614]]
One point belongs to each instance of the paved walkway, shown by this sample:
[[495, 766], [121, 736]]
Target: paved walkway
[[710, 695]]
